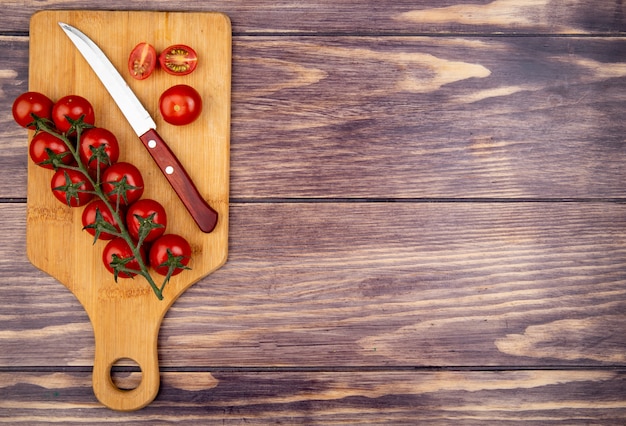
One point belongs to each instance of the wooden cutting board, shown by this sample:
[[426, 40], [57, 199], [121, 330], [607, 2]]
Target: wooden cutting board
[[126, 316]]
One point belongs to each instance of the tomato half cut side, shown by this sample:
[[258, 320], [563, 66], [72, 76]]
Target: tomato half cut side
[[142, 61], [178, 59]]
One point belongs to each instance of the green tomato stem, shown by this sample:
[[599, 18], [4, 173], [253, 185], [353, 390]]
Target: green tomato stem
[[135, 247]]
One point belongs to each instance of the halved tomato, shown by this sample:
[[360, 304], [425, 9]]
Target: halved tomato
[[178, 59], [142, 61]]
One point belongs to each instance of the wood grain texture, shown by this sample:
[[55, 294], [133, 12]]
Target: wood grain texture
[[424, 117], [446, 117], [13, 81], [489, 289], [363, 17], [330, 398], [441, 284]]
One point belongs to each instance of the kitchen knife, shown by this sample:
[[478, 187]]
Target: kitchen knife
[[145, 128]]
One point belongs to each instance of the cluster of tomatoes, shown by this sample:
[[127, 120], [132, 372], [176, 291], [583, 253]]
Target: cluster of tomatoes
[[94, 151], [180, 104]]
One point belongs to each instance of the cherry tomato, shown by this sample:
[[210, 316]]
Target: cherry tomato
[[145, 208], [119, 247], [43, 145], [69, 187], [89, 218], [31, 103], [178, 60], [179, 252], [73, 106], [122, 181], [98, 146], [142, 61], [180, 104]]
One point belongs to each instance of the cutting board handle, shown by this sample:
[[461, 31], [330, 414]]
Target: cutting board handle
[[135, 341]]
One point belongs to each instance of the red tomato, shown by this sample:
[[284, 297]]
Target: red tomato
[[142, 61], [119, 247], [49, 151], [89, 218], [179, 253], [31, 103], [73, 106], [144, 208], [69, 187], [98, 146], [124, 181], [178, 60], [180, 105]]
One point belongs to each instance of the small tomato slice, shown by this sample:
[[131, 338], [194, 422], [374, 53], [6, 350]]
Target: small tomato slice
[[149, 212], [180, 105], [178, 59], [48, 151], [71, 187], [74, 107], [31, 103], [117, 252], [98, 146], [122, 183], [90, 216], [170, 251], [142, 61]]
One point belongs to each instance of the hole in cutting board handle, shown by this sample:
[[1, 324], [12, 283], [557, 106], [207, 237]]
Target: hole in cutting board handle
[[128, 380], [126, 374]]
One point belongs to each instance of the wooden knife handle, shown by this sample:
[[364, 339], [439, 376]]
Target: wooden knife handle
[[200, 211]]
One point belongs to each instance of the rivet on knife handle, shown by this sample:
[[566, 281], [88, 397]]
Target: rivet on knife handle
[[202, 213]]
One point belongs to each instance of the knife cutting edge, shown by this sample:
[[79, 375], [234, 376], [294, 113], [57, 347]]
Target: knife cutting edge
[[145, 128]]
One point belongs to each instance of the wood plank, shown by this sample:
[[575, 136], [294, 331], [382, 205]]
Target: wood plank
[[331, 398], [401, 16], [13, 81], [521, 117], [340, 284], [429, 117]]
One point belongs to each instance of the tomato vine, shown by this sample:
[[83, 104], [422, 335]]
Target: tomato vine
[[94, 187]]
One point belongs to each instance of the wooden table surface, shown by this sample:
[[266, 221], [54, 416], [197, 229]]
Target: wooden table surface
[[427, 225]]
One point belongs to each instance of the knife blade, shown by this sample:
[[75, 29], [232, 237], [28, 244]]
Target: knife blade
[[145, 128]]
